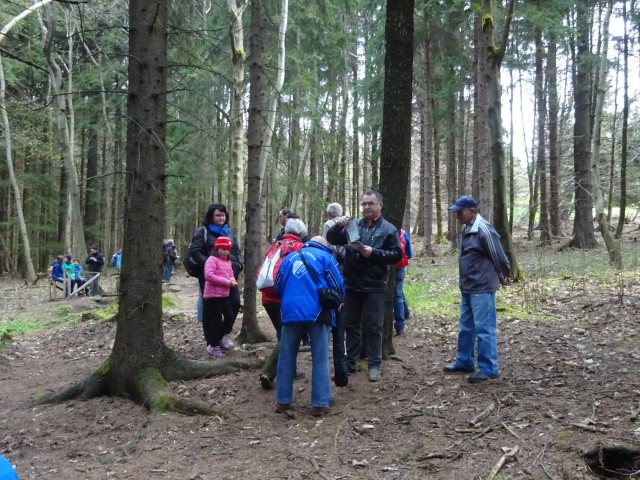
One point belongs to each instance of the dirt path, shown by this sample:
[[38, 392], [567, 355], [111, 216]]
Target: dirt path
[[415, 423]]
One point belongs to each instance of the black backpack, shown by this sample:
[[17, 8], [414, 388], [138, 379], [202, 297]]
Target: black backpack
[[191, 265]]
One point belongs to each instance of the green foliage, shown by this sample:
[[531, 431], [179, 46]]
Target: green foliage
[[59, 316], [169, 302]]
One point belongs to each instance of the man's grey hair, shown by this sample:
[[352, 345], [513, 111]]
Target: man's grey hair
[[334, 210], [377, 194], [296, 227]]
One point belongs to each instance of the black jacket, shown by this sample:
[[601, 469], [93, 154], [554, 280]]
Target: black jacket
[[169, 255], [368, 274], [201, 250], [95, 266]]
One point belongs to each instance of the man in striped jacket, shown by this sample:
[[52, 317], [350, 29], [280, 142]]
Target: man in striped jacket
[[483, 268]]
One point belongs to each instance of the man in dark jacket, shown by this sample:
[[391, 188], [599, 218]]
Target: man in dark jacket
[[169, 256], [372, 246], [94, 262], [483, 268]]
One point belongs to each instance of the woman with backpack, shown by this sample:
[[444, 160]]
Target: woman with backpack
[[291, 241], [215, 225]]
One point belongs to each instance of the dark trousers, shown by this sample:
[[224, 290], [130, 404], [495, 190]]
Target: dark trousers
[[213, 312], [234, 301], [368, 306], [270, 366]]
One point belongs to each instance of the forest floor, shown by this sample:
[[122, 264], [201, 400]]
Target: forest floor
[[570, 363]]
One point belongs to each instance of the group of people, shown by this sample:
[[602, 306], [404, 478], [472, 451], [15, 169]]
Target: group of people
[[70, 273], [351, 262]]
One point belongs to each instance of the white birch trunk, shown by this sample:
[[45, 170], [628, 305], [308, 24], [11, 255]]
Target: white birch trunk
[[64, 132], [273, 102], [238, 56]]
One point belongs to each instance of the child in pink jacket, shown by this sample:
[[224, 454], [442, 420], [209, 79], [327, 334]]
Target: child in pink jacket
[[219, 278]]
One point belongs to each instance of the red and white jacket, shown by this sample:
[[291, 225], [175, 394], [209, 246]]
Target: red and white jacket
[[289, 243]]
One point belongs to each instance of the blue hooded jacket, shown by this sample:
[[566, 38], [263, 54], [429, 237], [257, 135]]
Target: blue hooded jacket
[[296, 288]]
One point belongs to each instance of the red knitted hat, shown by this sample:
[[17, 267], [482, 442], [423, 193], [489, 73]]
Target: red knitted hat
[[223, 243]]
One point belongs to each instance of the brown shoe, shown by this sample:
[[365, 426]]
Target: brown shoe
[[319, 411], [283, 407]]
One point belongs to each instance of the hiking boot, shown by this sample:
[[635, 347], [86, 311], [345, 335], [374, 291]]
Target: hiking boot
[[319, 411], [480, 377], [283, 407], [374, 374], [266, 382], [450, 368], [215, 352], [227, 343], [400, 333]]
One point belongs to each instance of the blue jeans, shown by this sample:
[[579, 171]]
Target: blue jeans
[[290, 338], [478, 324], [168, 272], [399, 301]]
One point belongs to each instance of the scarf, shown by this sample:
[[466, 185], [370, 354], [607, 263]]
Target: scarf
[[222, 231]]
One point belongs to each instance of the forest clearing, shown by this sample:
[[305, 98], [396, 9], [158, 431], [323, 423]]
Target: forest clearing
[[568, 347]]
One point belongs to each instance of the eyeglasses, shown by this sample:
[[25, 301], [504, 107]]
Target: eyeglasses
[[369, 204]]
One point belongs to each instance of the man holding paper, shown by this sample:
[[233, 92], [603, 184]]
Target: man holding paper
[[372, 246]]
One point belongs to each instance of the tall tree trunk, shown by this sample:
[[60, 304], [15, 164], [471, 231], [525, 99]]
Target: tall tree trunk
[[427, 179], [583, 233], [481, 184], [625, 126], [139, 342], [355, 146], [238, 56], [613, 247], [24, 237], [554, 157], [75, 241], [395, 160], [255, 141], [545, 236], [494, 62]]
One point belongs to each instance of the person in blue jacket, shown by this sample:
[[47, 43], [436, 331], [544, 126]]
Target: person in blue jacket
[[57, 274], [302, 314]]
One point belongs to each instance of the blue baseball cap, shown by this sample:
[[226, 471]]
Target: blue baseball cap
[[465, 201]]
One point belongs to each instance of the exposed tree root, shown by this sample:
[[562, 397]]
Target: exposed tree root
[[150, 387], [252, 337]]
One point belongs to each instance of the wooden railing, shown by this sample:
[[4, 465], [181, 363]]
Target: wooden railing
[[65, 286]]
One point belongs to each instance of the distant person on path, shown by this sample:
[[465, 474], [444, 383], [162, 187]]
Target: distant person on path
[[291, 242], [483, 268], [283, 216], [94, 263], [216, 224], [366, 271], [116, 259], [219, 280], [169, 256], [302, 314], [400, 307]]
